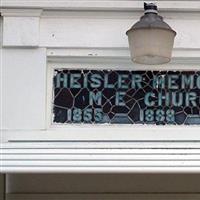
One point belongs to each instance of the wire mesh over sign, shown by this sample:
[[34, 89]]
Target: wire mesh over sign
[[126, 97]]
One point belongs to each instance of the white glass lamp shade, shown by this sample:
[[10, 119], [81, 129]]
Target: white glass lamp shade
[[151, 45], [151, 39]]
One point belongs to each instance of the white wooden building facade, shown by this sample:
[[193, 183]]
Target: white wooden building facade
[[38, 36]]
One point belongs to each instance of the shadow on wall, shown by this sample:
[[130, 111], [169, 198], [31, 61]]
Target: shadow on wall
[[103, 183]]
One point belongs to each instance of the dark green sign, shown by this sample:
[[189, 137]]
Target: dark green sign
[[126, 97]]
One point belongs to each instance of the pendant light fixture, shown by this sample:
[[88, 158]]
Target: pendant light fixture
[[151, 40]]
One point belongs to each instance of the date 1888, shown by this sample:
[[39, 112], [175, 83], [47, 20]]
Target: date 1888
[[150, 115]]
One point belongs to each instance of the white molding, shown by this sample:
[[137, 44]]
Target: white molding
[[114, 52], [56, 158], [177, 6], [117, 14], [16, 30], [102, 196], [184, 146], [21, 12], [122, 55], [106, 133]]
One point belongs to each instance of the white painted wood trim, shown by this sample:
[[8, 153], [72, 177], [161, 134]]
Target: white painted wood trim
[[102, 196], [21, 12], [110, 58], [122, 55], [101, 5], [189, 146], [106, 133], [103, 158]]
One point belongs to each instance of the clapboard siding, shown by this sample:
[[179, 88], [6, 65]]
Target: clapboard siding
[[56, 158]]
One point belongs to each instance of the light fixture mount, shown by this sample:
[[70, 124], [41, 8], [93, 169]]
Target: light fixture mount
[[151, 39]]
